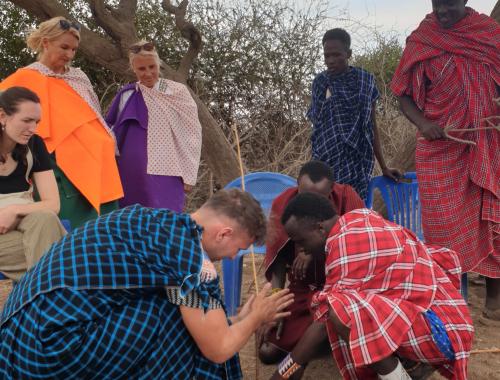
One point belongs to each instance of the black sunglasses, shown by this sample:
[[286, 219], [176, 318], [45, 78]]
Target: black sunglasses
[[66, 25], [148, 46]]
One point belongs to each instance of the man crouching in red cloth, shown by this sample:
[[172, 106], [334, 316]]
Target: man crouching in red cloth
[[390, 303], [306, 275]]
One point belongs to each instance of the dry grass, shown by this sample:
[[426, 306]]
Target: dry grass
[[286, 152]]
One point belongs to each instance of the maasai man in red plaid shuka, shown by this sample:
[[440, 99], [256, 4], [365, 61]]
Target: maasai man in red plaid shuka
[[449, 75], [388, 298], [284, 259]]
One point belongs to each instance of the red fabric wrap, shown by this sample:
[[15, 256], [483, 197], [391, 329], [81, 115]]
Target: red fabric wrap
[[453, 76], [379, 280], [344, 198]]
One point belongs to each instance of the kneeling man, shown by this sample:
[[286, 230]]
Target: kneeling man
[[135, 295], [390, 303]]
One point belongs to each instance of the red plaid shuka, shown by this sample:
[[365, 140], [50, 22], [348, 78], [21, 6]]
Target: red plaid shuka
[[452, 75], [343, 198], [379, 280]]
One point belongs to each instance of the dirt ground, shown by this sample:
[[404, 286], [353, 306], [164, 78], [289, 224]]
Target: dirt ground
[[481, 366]]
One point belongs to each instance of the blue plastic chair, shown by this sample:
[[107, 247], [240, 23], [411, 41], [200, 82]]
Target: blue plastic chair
[[67, 226], [403, 206], [264, 186], [401, 200]]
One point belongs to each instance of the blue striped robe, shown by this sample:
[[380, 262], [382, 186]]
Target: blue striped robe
[[96, 305]]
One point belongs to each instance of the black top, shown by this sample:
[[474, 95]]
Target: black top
[[16, 181]]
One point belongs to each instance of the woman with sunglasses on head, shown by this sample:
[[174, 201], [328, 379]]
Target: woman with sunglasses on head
[[75, 133], [27, 228], [158, 133]]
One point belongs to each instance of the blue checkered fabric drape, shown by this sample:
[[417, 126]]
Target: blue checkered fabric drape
[[95, 306], [341, 109]]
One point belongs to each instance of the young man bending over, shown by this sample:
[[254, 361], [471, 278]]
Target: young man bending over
[[306, 275], [390, 303]]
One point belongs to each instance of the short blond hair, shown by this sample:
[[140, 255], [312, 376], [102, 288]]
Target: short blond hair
[[243, 208], [51, 30], [143, 53]]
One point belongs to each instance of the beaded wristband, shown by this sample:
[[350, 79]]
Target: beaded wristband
[[288, 367]]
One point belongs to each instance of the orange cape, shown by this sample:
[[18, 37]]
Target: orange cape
[[84, 150]]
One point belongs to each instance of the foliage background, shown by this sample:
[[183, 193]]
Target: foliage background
[[255, 71]]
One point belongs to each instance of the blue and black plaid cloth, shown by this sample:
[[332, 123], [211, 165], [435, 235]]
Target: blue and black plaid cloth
[[95, 306], [342, 137]]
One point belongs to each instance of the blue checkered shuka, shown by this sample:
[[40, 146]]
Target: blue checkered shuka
[[342, 137], [103, 304]]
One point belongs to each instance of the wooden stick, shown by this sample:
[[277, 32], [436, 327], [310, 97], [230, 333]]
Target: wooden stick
[[242, 172], [495, 127], [486, 351], [252, 253], [449, 128]]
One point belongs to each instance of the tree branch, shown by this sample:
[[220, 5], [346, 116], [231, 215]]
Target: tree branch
[[126, 10], [42, 10], [189, 32], [116, 22]]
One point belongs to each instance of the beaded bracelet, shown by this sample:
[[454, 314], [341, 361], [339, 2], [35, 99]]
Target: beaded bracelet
[[288, 367]]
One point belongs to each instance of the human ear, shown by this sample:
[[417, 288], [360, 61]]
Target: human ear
[[45, 43], [223, 233], [3, 117]]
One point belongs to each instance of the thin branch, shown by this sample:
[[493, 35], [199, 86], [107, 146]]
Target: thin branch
[[42, 10], [189, 32]]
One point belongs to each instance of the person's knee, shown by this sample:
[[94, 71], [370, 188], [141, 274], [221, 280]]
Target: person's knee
[[269, 354], [318, 330], [342, 330], [45, 219]]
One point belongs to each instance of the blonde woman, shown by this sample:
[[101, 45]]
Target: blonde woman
[[27, 228], [72, 126], [158, 134]]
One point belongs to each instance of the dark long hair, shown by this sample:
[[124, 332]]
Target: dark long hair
[[9, 103]]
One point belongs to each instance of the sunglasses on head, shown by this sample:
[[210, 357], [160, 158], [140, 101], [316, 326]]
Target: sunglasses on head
[[66, 25], [148, 46]]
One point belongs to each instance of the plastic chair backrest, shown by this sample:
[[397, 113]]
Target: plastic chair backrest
[[264, 186], [401, 199]]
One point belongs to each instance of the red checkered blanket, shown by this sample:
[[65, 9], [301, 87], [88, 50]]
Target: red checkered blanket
[[453, 76], [379, 280]]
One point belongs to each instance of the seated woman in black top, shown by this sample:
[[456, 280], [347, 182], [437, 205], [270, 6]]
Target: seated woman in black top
[[27, 228]]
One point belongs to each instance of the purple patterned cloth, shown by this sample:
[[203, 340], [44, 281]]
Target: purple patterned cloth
[[130, 127]]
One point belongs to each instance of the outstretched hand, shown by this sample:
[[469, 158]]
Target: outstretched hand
[[270, 307]]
